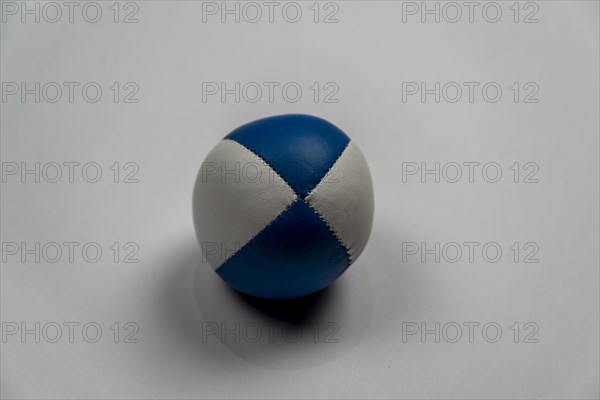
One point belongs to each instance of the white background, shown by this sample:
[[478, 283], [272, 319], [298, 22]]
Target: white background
[[172, 296]]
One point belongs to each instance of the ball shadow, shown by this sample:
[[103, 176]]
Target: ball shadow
[[207, 318], [297, 311], [285, 334]]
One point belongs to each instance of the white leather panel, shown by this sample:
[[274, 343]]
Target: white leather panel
[[235, 196], [344, 198]]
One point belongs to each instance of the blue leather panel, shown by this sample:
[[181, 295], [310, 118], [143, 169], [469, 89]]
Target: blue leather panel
[[300, 148], [294, 256]]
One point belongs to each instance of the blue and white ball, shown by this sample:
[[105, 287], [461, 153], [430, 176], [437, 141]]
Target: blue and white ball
[[283, 205]]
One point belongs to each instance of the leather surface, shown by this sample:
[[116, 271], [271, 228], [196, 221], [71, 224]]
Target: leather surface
[[294, 256], [301, 148], [344, 198], [295, 230], [232, 207]]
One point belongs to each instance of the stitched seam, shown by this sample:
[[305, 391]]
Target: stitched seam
[[331, 230], [258, 233], [328, 171], [266, 163]]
